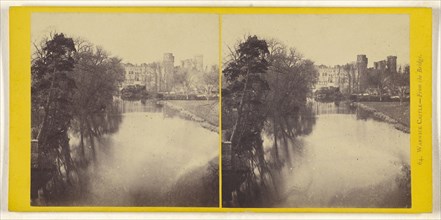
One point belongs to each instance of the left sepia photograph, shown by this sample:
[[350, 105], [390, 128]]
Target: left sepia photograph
[[125, 109]]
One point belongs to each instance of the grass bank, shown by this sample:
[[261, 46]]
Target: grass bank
[[391, 112], [203, 111]]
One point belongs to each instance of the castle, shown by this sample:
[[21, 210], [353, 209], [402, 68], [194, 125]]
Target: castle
[[352, 77], [158, 76], [390, 64]]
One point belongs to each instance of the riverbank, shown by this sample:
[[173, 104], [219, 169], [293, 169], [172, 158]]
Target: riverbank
[[390, 112], [205, 112]]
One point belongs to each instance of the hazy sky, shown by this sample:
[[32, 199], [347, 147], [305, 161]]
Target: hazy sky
[[138, 38], [143, 38], [327, 39]]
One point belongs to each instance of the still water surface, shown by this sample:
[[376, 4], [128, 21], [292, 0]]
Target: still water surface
[[155, 158], [345, 161]]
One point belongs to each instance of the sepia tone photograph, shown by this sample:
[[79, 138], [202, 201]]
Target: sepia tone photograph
[[315, 111], [125, 109]]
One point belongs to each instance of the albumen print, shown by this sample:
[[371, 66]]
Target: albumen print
[[125, 110], [315, 111]]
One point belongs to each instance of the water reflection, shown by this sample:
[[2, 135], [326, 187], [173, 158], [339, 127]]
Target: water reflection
[[152, 158], [284, 130], [324, 156], [327, 108], [138, 106]]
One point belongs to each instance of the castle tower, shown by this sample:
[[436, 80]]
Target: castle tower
[[362, 62], [168, 61], [380, 65], [187, 64], [168, 64], [199, 62], [392, 64]]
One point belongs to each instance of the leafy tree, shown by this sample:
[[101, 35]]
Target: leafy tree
[[245, 75], [379, 80], [349, 69], [184, 79], [291, 79], [73, 83], [97, 76], [244, 95], [158, 76], [267, 84], [52, 93], [400, 82], [210, 80]]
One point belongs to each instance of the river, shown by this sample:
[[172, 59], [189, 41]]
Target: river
[[342, 159], [153, 158], [337, 157]]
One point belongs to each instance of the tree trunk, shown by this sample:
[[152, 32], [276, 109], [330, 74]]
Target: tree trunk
[[285, 143], [234, 135], [401, 91], [92, 141], [209, 88], [42, 134], [67, 158], [276, 94], [83, 153], [380, 93], [276, 150]]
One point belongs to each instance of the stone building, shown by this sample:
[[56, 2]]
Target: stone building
[[353, 77], [168, 66], [361, 74], [143, 75], [392, 64], [158, 76], [199, 62], [187, 64], [134, 74], [196, 63], [380, 65], [332, 76]]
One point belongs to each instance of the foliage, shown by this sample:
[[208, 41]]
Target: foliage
[[290, 77], [328, 94], [349, 69], [387, 81], [244, 95], [134, 92], [73, 83], [210, 80], [52, 90], [245, 76], [51, 69], [267, 84], [400, 82], [379, 79], [97, 76], [184, 79]]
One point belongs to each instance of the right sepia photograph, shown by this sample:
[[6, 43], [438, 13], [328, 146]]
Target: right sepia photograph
[[315, 111]]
